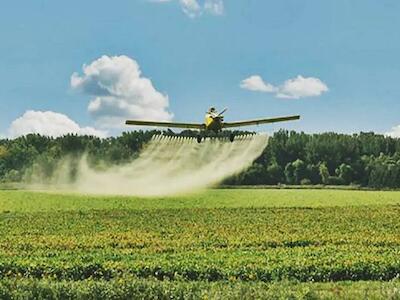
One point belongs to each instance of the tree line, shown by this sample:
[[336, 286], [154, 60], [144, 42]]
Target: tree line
[[364, 159]]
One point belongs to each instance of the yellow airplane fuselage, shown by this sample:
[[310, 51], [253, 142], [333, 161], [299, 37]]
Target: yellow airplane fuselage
[[213, 123]]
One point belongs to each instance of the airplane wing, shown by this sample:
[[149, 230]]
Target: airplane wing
[[165, 124], [259, 121]]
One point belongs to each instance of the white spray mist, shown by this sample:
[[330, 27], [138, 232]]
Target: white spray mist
[[169, 165]]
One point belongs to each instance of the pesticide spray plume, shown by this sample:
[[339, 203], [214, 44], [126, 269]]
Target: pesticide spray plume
[[169, 165]]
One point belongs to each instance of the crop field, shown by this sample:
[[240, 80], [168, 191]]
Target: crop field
[[214, 244]]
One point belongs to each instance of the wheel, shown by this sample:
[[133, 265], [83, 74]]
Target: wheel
[[231, 137], [199, 138]]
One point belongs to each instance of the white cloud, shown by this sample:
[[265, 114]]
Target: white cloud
[[191, 8], [257, 84], [195, 8], [301, 87], [120, 92], [295, 88], [395, 133], [215, 7], [48, 123]]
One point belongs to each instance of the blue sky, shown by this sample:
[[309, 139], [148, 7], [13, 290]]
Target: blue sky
[[200, 59]]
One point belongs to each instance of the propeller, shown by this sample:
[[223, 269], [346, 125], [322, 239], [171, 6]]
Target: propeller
[[222, 112]]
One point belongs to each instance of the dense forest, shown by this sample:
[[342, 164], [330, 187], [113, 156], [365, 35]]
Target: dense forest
[[365, 159]]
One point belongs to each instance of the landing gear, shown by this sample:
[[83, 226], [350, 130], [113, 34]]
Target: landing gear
[[231, 137], [199, 138]]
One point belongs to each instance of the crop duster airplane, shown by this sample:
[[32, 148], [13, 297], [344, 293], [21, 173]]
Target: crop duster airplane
[[214, 121]]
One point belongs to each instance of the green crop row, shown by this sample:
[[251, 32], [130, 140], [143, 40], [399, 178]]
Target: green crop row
[[300, 263], [248, 244], [236, 244], [133, 288]]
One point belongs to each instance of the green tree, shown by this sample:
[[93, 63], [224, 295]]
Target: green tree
[[299, 170], [289, 173], [345, 172], [274, 174], [324, 173]]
